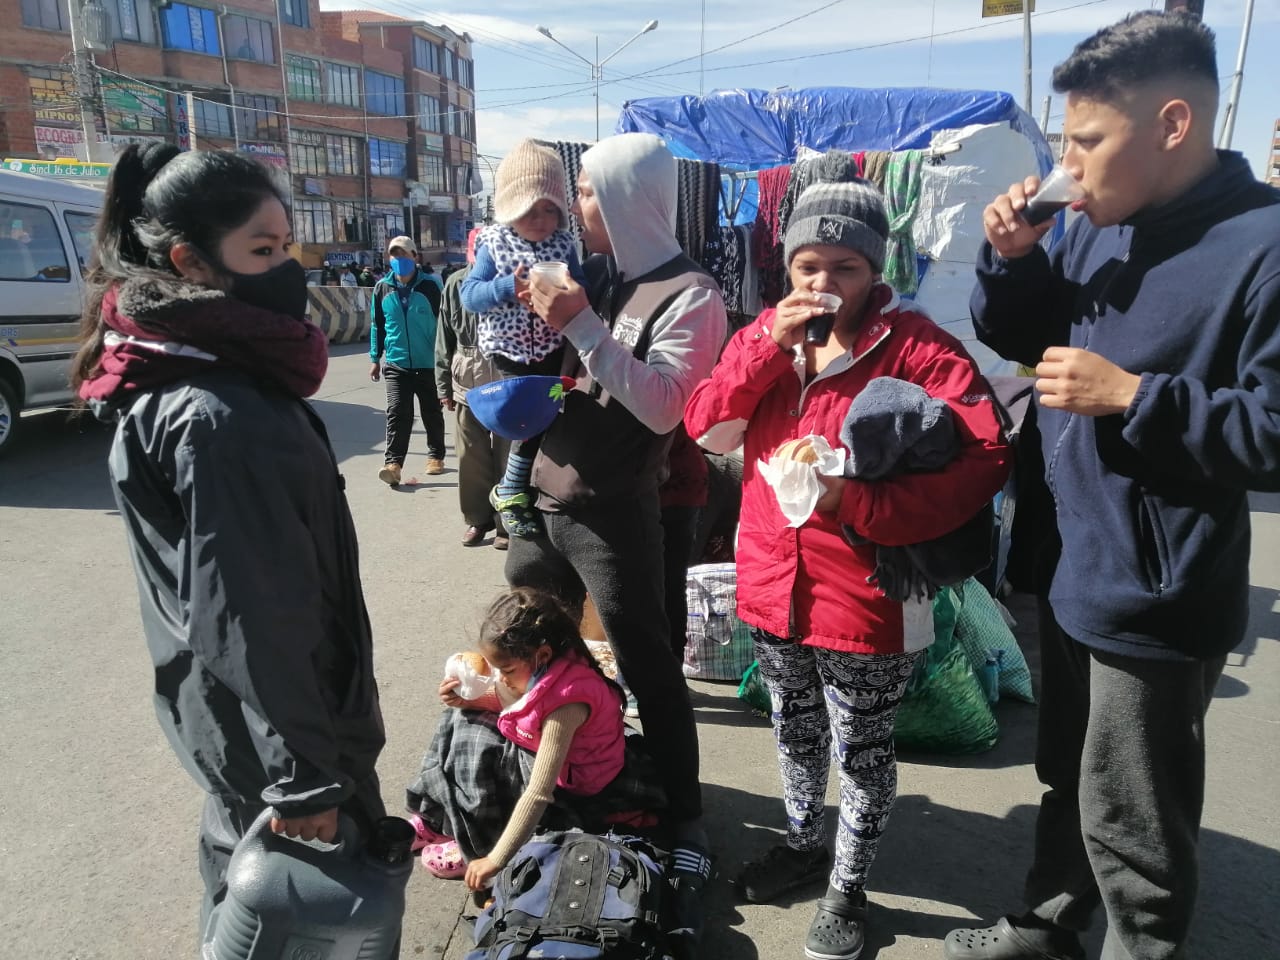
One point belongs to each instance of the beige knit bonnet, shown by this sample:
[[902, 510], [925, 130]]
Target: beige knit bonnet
[[527, 174]]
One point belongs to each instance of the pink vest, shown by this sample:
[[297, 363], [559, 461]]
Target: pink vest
[[596, 753]]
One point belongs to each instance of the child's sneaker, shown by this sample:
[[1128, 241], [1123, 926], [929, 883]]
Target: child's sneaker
[[444, 860], [423, 834], [518, 514]]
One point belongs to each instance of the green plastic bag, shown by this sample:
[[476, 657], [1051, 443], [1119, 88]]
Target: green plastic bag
[[945, 709], [981, 631], [752, 691]]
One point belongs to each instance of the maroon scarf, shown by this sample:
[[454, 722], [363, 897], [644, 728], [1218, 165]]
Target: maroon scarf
[[293, 354]]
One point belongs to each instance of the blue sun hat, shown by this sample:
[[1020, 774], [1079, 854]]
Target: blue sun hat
[[519, 407]]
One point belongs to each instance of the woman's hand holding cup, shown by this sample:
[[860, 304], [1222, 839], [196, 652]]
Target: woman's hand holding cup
[[791, 314]]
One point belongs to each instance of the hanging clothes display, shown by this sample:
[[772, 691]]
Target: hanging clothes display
[[902, 202], [874, 166], [729, 266], [697, 207], [767, 239], [571, 156]]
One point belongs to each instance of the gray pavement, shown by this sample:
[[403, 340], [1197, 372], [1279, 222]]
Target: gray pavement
[[98, 820]]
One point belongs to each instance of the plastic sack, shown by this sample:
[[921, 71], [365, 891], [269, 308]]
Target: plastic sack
[[981, 631], [472, 684], [718, 644], [945, 709], [518, 408], [752, 691]]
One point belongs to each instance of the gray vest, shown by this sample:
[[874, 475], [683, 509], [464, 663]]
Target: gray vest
[[596, 449]]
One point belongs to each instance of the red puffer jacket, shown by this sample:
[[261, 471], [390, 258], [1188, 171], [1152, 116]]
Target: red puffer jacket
[[808, 582]]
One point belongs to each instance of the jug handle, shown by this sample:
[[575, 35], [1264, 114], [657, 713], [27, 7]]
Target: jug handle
[[346, 843]]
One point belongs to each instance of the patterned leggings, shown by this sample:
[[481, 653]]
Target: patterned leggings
[[861, 694]]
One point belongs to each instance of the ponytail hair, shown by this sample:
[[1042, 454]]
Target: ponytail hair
[[158, 197], [522, 619]]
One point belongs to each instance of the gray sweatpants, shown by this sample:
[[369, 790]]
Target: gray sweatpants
[[1121, 748]]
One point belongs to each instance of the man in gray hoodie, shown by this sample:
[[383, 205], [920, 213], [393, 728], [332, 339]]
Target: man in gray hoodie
[[647, 328]]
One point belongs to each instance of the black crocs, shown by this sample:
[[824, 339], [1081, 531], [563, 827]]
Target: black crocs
[[837, 931], [1003, 941]]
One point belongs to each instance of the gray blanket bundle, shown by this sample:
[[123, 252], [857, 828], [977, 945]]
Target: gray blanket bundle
[[892, 427]]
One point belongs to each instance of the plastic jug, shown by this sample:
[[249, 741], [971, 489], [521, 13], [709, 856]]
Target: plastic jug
[[292, 900]]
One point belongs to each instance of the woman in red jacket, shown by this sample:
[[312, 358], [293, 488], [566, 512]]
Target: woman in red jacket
[[834, 651]]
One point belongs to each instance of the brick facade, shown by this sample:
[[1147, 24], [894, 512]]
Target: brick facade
[[346, 212]]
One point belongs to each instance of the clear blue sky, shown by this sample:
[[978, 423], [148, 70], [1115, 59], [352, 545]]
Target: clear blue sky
[[528, 86]]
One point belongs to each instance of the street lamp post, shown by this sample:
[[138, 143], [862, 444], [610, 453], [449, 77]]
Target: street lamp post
[[597, 66]]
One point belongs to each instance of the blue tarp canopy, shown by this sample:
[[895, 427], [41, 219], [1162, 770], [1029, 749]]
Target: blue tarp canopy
[[759, 129]]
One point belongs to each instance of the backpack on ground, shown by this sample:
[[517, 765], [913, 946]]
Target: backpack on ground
[[577, 895]]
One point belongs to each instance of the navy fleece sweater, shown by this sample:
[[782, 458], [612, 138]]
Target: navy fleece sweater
[[1151, 503]]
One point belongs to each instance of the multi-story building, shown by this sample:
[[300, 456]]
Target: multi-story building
[[277, 78], [440, 86], [1273, 161]]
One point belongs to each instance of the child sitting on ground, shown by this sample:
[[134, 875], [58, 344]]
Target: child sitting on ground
[[530, 203], [556, 750]]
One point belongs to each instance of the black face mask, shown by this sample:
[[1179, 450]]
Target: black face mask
[[282, 289]]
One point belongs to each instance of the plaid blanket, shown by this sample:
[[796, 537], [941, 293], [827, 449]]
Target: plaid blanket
[[472, 776]]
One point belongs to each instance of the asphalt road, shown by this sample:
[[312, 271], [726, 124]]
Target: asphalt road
[[98, 820]]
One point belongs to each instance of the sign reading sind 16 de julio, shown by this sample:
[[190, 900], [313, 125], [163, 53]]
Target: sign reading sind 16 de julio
[[1004, 8]]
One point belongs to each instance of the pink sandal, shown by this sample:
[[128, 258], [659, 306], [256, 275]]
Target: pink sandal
[[444, 860], [424, 834]]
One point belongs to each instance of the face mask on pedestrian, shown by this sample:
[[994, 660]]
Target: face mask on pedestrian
[[403, 267], [282, 289]]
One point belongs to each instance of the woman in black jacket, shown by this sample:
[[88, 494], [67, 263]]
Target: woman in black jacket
[[194, 340]]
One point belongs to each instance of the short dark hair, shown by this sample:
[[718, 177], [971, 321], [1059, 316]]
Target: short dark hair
[[1143, 47]]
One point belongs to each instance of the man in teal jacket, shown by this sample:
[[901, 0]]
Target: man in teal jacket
[[404, 305]]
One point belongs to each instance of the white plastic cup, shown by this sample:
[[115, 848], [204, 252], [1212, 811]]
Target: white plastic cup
[[553, 272], [1057, 191]]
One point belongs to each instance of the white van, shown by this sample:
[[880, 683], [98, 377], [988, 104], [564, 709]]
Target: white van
[[46, 234]]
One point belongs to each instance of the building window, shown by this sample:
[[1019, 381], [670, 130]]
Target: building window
[[183, 27], [258, 117], [303, 76], [431, 172], [426, 55], [344, 155], [31, 248], [429, 113], [347, 222], [386, 158], [450, 64], [466, 73], [437, 230], [45, 14], [385, 94], [312, 221], [295, 12], [213, 119], [307, 153], [387, 222], [249, 39], [342, 84]]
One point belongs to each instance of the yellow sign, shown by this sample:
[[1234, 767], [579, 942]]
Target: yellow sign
[[1004, 8]]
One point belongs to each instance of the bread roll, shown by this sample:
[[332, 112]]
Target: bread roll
[[477, 662], [801, 450]]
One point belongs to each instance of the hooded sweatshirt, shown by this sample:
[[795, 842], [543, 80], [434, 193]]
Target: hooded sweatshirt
[[654, 330], [1151, 502]]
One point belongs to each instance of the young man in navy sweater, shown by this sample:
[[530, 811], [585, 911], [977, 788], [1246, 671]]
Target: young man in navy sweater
[[1154, 327]]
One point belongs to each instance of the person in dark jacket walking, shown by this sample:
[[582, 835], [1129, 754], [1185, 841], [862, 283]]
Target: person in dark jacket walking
[[1155, 328], [404, 306], [482, 455], [194, 339]]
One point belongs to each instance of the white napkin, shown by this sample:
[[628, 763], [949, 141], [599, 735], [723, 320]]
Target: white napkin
[[471, 685], [796, 484]]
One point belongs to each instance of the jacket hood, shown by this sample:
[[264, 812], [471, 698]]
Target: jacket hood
[[634, 179]]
